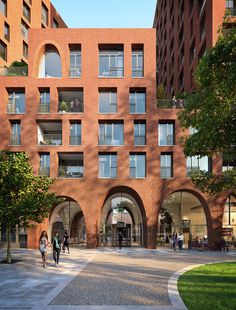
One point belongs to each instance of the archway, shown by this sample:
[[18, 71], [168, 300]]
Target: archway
[[122, 214], [50, 62], [68, 216], [229, 219], [182, 212]]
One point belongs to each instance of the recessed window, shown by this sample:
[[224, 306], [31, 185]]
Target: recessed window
[[44, 167], [16, 101], [71, 165], [165, 133], [55, 23], [111, 60], [75, 61], [70, 100], [44, 14], [15, 137], [44, 104], [26, 12], [3, 50], [107, 165], [137, 60], [195, 163], [107, 101], [49, 133], [137, 101], [24, 30], [139, 133], [111, 133], [50, 62], [137, 165], [6, 31], [166, 164], [25, 50], [75, 133], [3, 7]]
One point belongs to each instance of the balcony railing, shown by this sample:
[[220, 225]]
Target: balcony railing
[[50, 139], [44, 108], [15, 108], [74, 106], [139, 140], [137, 72], [13, 71], [113, 72], [166, 172], [44, 171], [75, 72], [170, 103], [71, 171], [109, 141], [15, 139], [231, 11], [75, 140]]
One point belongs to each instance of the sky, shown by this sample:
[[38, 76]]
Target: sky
[[106, 13]]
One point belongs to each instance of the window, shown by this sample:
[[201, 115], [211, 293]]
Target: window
[[44, 14], [137, 61], [50, 62], [24, 30], [16, 102], [55, 24], [137, 165], [111, 134], [26, 11], [44, 168], [71, 165], [15, 138], [166, 165], [75, 133], [107, 165], [75, 61], [3, 50], [44, 106], [137, 101], [6, 31], [25, 50], [111, 61], [198, 163], [166, 133], [139, 133], [107, 101], [3, 7]]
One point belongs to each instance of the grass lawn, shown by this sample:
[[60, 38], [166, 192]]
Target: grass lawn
[[212, 286]]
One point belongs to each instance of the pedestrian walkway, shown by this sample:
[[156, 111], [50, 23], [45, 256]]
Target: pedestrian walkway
[[106, 278]]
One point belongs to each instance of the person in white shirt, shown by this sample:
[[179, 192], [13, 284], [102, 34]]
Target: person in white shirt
[[180, 241]]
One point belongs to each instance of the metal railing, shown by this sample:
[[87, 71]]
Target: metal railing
[[75, 72], [44, 108], [71, 171], [15, 139], [74, 106], [170, 103], [113, 72], [137, 72], [75, 140], [139, 140], [13, 71], [109, 141], [166, 172], [14, 108], [50, 139], [44, 171]]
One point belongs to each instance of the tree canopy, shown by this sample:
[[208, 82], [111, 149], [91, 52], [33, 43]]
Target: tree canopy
[[211, 110]]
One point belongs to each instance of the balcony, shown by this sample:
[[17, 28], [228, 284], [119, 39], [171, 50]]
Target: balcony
[[71, 172], [44, 171], [49, 133], [170, 104], [50, 139], [70, 100], [70, 165], [15, 139], [44, 108], [13, 71]]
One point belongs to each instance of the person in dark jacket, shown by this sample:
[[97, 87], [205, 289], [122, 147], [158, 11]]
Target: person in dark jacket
[[56, 243], [66, 243]]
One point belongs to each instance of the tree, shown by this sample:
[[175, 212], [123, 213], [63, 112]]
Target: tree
[[24, 198], [211, 110]]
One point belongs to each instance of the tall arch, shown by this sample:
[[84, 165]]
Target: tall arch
[[49, 64]]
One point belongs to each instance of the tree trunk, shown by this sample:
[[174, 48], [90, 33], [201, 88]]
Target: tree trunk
[[8, 245]]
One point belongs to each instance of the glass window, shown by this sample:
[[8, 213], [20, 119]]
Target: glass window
[[166, 166], [50, 64], [137, 102], [137, 164], [3, 51], [44, 168], [44, 14], [3, 7], [165, 134], [139, 133], [75, 63], [24, 30], [75, 133], [111, 64], [137, 63], [16, 102], [15, 138], [6, 31], [107, 165], [107, 102], [111, 134], [55, 24], [26, 12], [44, 106], [197, 163], [25, 50]]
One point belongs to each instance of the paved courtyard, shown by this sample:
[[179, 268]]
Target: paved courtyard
[[106, 278]]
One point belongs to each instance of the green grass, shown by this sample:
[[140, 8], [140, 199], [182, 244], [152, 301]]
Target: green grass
[[212, 286]]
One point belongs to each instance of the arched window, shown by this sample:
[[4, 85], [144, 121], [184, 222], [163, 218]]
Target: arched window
[[50, 62]]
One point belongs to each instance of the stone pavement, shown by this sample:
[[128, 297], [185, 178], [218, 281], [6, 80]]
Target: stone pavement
[[102, 279]]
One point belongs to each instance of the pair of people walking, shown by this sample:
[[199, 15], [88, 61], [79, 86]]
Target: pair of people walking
[[56, 247], [177, 239]]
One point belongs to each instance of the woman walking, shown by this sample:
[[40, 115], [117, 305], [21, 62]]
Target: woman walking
[[43, 244], [56, 249], [66, 243]]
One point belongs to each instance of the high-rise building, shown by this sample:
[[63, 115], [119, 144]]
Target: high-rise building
[[185, 29], [16, 18]]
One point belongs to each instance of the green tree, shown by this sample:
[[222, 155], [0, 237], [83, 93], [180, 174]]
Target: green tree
[[24, 198], [211, 110]]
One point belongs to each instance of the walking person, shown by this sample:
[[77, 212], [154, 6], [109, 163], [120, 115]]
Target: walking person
[[180, 241], [120, 237], [56, 249], [174, 240], [43, 244], [66, 243]]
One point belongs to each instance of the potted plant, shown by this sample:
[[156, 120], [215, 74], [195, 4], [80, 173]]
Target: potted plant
[[63, 107]]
